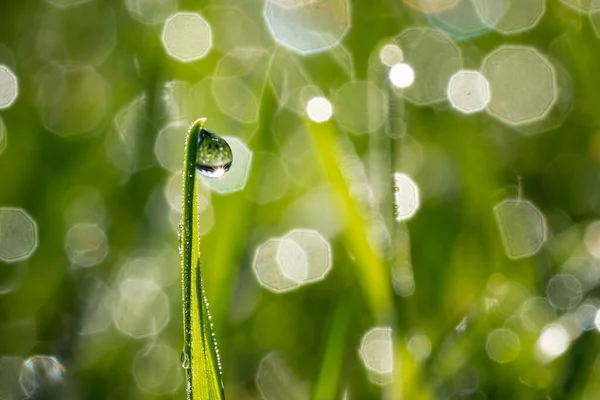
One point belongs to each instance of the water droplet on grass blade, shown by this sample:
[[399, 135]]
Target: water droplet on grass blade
[[185, 361], [214, 156]]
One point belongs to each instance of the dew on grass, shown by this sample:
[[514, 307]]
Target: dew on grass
[[214, 155], [40, 374]]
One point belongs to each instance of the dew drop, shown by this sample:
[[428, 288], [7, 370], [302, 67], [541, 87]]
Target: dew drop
[[185, 360], [214, 155]]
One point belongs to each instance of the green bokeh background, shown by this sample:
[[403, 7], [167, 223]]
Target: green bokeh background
[[455, 245]]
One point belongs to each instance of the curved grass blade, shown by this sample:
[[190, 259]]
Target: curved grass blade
[[200, 356]]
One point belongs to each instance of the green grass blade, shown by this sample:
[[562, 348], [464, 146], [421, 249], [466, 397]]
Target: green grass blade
[[203, 375]]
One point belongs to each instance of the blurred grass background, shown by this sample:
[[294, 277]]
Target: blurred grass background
[[76, 153]]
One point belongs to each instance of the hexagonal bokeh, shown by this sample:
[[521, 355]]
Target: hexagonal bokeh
[[522, 226], [187, 36], [233, 28], [564, 291], [235, 179], [18, 234], [463, 21], [73, 100], [9, 87], [583, 6], [276, 380], [431, 6], [522, 82], [83, 34], [562, 107], [434, 58], [503, 345], [86, 244], [267, 269], [377, 354], [238, 80], [158, 370], [170, 144], [360, 107], [292, 260], [317, 250], [40, 373], [309, 27], [406, 197], [390, 55], [511, 17], [3, 136], [468, 91], [141, 308], [151, 12]]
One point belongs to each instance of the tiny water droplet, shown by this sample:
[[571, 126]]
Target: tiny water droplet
[[214, 155], [185, 361]]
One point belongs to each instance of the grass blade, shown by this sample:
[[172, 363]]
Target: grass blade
[[200, 354]]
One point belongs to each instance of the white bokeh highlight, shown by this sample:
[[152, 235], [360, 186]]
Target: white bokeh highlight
[[522, 226], [402, 75], [187, 36], [406, 197], [468, 91], [9, 87], [319, 109], [377, 354]]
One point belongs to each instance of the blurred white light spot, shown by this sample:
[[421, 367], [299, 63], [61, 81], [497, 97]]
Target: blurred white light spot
[[552, 343], [18, 235], [267, 269], [406, 197], [564, 291], [236, 178], [523, 84], [292, 260], [9, 87], [376, 353], [522, 227], [585, 315], [503, 345], [187, 36], [463, 21], [141, 308], [319, 109], [592, 239], [276, 380], [419, 347], [468, 91], [169, 145], [360, 107], [536, 313], [317, 251], [510, 17], [86, 244], [434, 58], [311, 26], [597, 320], [72, 99], [390, 55], [402, 75], [40, 374], [158, 370]]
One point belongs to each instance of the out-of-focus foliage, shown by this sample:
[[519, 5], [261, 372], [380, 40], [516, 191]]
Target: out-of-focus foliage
[[412, 209]]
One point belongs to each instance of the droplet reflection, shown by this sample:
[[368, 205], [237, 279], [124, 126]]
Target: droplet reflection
[[214, 156]]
